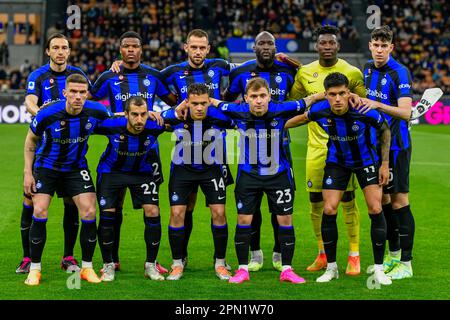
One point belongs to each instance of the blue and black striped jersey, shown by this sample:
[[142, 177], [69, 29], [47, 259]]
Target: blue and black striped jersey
[[65, 136], [279, 76], [261, 143], [199, 144], [143, 81], [127, 152], [179, 76], [48, 85], [386, 85], [351, 143]]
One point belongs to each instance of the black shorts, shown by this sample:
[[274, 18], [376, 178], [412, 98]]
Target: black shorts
[[155, 161], [183, 181], [143, 189], [399, 163], [337, 177], [65, 183], [250, 189]]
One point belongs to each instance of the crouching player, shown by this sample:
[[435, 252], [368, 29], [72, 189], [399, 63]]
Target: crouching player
[[351, 149]]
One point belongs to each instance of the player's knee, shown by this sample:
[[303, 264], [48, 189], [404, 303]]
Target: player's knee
[[400, 201], [177, 216], [330, 208], [285, 220], [218, 216], [40, 212], [151, 211], [88, 213], [374, 208]]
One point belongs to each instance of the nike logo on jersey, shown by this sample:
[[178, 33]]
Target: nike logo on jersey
[[153, 199], [107, 243], [36, 242], [155, 243], [92, 240], [220, 198], [182, 77], [48, 88], [309, 82], [289, 244], [59, 129], [117, 83], [389, 187], [115, 140], [287, 209], [86, 187], [327, 125], [370, 179]]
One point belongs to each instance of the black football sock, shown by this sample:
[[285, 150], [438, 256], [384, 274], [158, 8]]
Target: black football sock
[[329, 236], [152, 236], [220, 237], [117, 227], [255, 239], [406, 231], [106, 235], [176, 237], [38, 236], [275, 226], [392, 227], [88, 239], [188, 223], [25, 223], [286, 236], [70, 226], [242, 242], [378, 236]]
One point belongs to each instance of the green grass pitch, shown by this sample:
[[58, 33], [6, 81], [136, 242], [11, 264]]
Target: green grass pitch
[[430, 182]]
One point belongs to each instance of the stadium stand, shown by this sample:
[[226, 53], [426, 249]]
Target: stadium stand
[[422, 39]]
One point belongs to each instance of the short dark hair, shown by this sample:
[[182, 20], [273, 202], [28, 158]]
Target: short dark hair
[[197, 89], [199, 33], [256, 84], [383, 33], [136, 101], [55, 36], [76, 78], [130, 34], [335, 79], [327, 29]]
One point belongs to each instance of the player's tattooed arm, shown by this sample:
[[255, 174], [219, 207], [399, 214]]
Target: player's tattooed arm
[[385, 147], [31, 102], [402, 111], [29, 185]]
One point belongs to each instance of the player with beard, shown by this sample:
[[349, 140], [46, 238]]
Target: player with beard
[[133, 79], [46, 85], [280, 77]]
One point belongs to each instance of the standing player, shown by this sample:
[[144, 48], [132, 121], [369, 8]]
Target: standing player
[[126, 163], [197, 162], [197, 69], [134, 79], [263, 168], [65, 127], [309, 80], [280, 78], [388, 86], [351, 149], [46, 85]]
